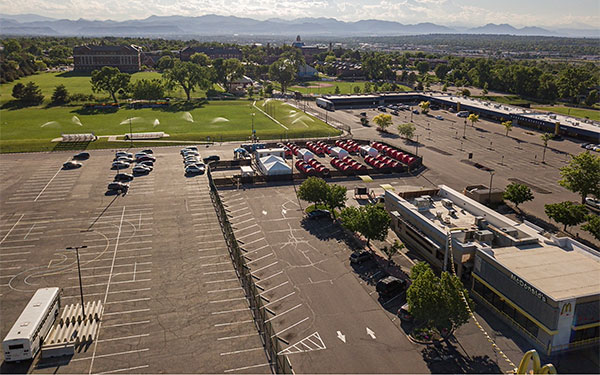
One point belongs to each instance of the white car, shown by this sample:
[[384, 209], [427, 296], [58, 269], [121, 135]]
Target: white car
[[120, 165], [123, 153], [142, 169], [141, 154], [595, 203]]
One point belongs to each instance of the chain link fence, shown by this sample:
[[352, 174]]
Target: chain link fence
[[279, 363]]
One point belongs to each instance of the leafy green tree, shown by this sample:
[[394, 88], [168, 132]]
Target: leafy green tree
[[351, 218], [383, 121], [189, 76], [593, 226], [445, 87], [164, 63], [441, 70], [250, 91], [60, 95], [424, 107], [582, 175], [227, 71], [508, 125], [367, 87], [146, 89], [28, 94], [335, 197], [110, 80], [356, 89], [545, 138], [437, 301], [422, 67], [200, 59], [337, 89], [283, 71], [17, 91], [473, 118], [592, 98], [392, 250], [566, 213], [466, 92], [314, 190], [407, 130], [371, 221], [269, 89], [518, 193]]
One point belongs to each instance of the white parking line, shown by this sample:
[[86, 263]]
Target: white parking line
[[243, 222], [225, 290], [127, 324], [258, 249], [279, 299], [262, 268], [216, 272], [221, 281], [275, 287], [11, 229], [229, 311], [125, 369], [125, 312], [248, 227], [215, 264], [249, 234], [242, 351], [290, 327], [270, 277], [254, 241], [234, 323], [261, 258], [247, 367], [129, 300], [125, 337], [110, 355], [228, 300], [283, 313], [19, 253], [15, 247], [236, 337], [41, 192]]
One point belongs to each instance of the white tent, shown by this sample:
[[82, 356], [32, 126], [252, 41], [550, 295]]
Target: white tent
[[338, 152], [368, 150], [273, 165], [305, 154]]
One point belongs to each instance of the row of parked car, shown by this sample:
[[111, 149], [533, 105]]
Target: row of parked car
[[143, 163], [591, 146], [388, 286], [191, 161], [72, 164]]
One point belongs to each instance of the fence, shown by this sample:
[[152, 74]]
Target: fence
[[279, 363]]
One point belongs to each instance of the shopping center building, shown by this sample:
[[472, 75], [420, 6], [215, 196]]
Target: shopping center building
[[546, 288]]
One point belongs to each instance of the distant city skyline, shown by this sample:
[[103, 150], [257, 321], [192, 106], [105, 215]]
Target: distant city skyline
[[468, 13]]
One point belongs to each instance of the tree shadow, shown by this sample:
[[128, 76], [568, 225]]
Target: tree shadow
[[331, 231], [22, 367], [13, 105], [74, 73], [84, 111], [444, 358], [71, 146], [182, 106]]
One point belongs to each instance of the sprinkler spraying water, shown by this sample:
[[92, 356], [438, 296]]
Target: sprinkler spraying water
[[76, 121], [187, 117]]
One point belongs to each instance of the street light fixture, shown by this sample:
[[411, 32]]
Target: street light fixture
[[253, 114], [76, 248]]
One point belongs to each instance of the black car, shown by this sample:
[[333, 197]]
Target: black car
[[149, 163], [118, 186], [359, 257], [390, 285], [148, 151], [319, 214], [210, 158], [81, 156], [123, 177], [146, 158]]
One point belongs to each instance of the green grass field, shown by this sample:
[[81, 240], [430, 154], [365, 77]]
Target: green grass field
[[576, 112], [345, 87], [32, 129], [78, 84]]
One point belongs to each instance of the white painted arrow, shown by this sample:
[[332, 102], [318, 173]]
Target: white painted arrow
[[371, 333], [341, 337]]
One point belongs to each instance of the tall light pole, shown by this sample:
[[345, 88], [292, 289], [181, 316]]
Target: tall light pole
[[465, 130], [130, 135], [253, 126], [76, 248], [417, 146], [490, 191]]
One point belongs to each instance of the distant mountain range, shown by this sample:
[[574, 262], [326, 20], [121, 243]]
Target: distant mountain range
[[171, 26]]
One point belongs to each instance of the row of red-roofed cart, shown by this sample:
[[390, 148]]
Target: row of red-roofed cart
[[347, 165], [315, 148], [347, 145], [393, 153], [383, 162], [312, 168]]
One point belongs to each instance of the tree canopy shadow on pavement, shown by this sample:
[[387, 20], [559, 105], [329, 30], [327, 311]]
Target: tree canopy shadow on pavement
[[332, 231], [444, 358]]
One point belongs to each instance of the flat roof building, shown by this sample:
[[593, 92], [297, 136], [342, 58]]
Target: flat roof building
[[93, 57], [548, 289]]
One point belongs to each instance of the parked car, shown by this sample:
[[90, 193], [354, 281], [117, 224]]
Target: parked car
[[415, 111], [194, 169], [438, 117], [124, 159], [147, 151], [71, 165], [146, 158], [120, 165], [123, 153], [389, 286], [147, 163], [594, 203], [81, 156], [141, 169], [118, 186], [360, 256], [394, 112], [363, 114], [189, 149], [211, 158], [123, 177], [404, 313], [141, 154], [584, 145], [319, 214]]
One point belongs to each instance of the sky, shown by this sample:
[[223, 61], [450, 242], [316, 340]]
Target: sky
[[545, 13]]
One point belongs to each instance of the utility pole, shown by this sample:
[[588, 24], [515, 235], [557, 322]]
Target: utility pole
[[490, 191], [76, 248]]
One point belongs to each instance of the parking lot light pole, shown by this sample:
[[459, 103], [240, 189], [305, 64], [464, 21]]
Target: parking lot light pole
[[253, 127], [76, 248], [490, 191], [130, 135], [465, 130]]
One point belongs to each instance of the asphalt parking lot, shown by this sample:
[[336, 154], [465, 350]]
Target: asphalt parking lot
[[155, 257]]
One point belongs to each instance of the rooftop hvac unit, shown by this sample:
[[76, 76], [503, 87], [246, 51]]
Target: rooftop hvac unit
[[447, 203], [484, 236], [510, 231], [438, 214], [422, 204], [480, 222]]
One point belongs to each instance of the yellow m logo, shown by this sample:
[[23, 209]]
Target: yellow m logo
[[565, 309], [537, 366]]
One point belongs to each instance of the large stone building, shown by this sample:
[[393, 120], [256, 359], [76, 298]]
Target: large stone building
[[546, 288], [92, 57], [308, 52], [212, 52]]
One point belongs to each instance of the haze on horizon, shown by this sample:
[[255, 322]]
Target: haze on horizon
[[544, 13]]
